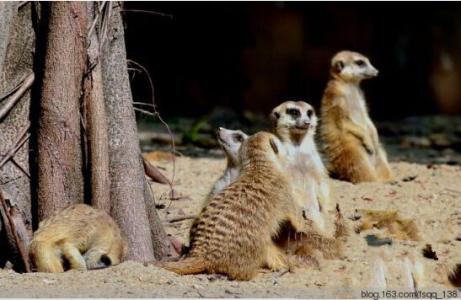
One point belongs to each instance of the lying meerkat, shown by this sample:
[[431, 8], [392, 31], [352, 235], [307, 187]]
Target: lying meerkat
[[84, 237], [454, 276], [398, 227], [233, 233], [230, 141], [295, 122], [350, 139]]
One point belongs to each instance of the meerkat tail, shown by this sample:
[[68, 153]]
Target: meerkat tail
[[455, 276], [189, 265], [45, 257], [378, 279]]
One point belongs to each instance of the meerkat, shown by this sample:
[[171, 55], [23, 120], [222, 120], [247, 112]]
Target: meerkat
[[82, 236], [230, 141], [398, 227], [294, 123], [350, 138], [233, 233]]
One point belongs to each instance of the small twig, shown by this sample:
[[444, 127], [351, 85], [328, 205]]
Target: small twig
[[96, 18], [25, 85], [154, 173], [182, 218], [18, 165], [156, 13], [156, 114], [23, 137], [20, 244], [14, 89]]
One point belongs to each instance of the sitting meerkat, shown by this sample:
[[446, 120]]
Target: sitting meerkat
[[294, 123], [233, 233], [230, 141], [350, 139], [82, 236], [292, 242]]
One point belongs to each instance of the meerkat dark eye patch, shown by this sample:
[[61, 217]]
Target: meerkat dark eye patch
[[360, 63], [339, 66], [293, 112], [274, 146], [310, 113], [238, 137]]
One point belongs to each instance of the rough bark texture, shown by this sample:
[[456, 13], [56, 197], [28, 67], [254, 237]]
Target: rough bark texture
[[126, 169], [161, 243], [96, 120], [17, 39], [60, 180]]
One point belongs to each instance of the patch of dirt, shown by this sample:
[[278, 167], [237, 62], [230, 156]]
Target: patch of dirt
[[432, 199]]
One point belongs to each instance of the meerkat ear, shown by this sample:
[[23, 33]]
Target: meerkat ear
[[274, 146], [338, 66], [275, 115]]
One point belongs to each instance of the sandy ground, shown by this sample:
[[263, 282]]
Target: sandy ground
[[432, 199]]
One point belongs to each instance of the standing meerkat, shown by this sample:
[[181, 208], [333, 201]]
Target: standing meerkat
[[82, 236], [230, 141], [350, 139], [295, 122], [233, 233]]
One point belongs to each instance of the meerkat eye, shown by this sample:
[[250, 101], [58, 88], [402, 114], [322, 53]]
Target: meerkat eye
[[360, 63], [293, 112], [238, 138], [310, 112]]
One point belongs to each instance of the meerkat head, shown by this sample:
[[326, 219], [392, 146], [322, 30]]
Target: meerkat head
[[230, 141], [293, 120], [352, 67]]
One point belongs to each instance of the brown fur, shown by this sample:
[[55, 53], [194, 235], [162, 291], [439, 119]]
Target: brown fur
[[85, 237], [399, 228], [350, 138], [455, 276], [232, 234], [304, 244]]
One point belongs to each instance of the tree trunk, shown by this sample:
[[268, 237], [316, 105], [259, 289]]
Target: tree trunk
[[17, 40], [162, 244], [96, 120], [126, 169], [60, 180]]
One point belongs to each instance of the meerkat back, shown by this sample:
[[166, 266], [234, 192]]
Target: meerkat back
[[233, 233]]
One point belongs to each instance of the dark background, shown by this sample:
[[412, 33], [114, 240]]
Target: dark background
[[254, 55]]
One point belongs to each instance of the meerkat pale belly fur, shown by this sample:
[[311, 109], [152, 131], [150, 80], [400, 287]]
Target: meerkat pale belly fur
[[350, 139], [233, 233], [85, 237], [295, 122], [230, 141]]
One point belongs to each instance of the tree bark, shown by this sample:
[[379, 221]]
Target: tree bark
[[17, 40], [96, 120], [60, 179], [160, 241], [126, 169]]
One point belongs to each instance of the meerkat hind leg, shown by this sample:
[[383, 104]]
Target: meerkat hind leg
[[382, 166], [275, 258], [73, 256]]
